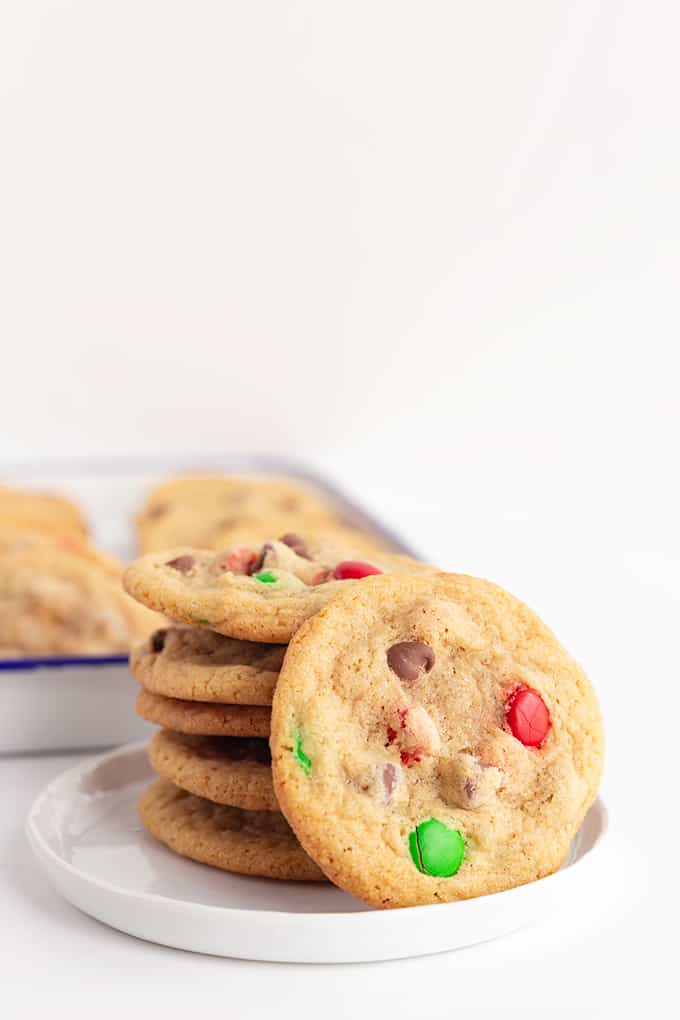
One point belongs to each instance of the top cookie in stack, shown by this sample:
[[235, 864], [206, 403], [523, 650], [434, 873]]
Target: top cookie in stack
[[209, 683]]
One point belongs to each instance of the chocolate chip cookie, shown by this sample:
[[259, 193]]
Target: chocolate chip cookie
[[201, 510], [253, 594], [432, 741], [194, 664], [56, 601], [245, 842], [46, 512], [226, 770], [203, 719]]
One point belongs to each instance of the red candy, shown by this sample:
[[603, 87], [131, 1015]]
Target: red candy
[[239, 561], [353, 570], [528, 716]]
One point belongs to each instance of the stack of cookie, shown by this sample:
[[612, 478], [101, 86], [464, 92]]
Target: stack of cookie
[[215, 799], [209, 684], [430, 739]]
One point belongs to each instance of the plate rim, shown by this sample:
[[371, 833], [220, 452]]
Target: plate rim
[[50, 857]]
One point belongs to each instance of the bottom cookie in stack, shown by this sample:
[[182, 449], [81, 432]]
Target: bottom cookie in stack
[[245, 842], [214, 801]]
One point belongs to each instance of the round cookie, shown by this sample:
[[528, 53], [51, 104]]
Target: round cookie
[[226, 770], [203, 719], [56, 601], [46, 512], [245, 842], [432, 741], [194, 510], [13, 539], [256, 595], [193, 664], [362, 543]]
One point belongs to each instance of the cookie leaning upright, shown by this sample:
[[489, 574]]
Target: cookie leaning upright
[[432, 741], [256, 595]]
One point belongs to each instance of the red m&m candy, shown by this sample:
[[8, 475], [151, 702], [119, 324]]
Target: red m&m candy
[[353, 570], [528, 716]]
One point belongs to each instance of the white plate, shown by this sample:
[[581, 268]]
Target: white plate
[[85, 833]]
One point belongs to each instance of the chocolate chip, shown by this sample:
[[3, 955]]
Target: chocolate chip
[[259, 562], [154, 512], [158, 640], [469, 788], [246, 749], [182, 563], [409, 658], [296, 543]]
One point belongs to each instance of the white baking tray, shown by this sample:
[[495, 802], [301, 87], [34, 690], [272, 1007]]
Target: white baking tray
[[76, 703]]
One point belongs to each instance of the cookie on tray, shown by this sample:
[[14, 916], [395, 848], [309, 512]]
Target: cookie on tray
[[14, 539], [432, 741], [50, 513], [203, 719], [226, 770], [245, 842], [194, 664], [254, 594], [55, 601], [194, 510]]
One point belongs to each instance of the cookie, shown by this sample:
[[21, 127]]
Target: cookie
[[194, 510], [226, 770], [432, 741], [193, 664], [256, 595], [203, 719], [245, 842], [14, 539], [56, 601], [40, 511]]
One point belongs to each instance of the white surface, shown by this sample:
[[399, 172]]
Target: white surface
[[85, 832], [36, 708], [441, 236], [298, 225]]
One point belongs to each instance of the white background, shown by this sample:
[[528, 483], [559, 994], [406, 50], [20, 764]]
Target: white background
[[433, 249]]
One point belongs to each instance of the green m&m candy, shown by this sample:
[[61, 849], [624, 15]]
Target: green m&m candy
[[266, 577], [303, 760], [435, 849]]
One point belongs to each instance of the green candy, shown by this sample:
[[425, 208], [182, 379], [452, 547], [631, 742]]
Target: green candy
[[266, 577], [435, 849], [303, 760]]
